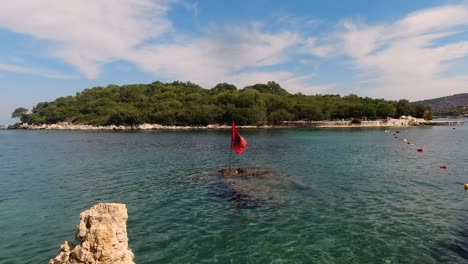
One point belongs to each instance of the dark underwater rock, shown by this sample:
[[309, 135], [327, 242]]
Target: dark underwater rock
[[253, 186], [246, 172]]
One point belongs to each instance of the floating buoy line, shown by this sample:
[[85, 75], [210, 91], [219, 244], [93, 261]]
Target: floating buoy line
[[419, 149]]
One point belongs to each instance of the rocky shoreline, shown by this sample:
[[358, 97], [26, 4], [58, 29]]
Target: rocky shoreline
[[407, 122], [68, 126]]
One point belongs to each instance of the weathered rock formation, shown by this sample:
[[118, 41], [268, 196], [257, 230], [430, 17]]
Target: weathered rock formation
[[102, 237]]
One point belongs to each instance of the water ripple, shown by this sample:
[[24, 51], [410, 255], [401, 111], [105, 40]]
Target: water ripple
[[344, 196]]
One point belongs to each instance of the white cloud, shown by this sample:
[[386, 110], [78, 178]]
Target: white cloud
[[310, 46], [409, 58], [34, 71], [288, 80], [88, 33], [216, 56], [432, 20], [234, 55]]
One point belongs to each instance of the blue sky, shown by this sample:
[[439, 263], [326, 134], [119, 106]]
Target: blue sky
[[384, 49]]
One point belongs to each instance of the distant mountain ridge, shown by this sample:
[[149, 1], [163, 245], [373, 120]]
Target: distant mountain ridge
[[453, 105]]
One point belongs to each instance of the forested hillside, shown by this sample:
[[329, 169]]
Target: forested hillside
[[180, 103], [453, 105]]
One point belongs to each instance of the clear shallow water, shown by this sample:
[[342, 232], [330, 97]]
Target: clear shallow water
[[344, 196]]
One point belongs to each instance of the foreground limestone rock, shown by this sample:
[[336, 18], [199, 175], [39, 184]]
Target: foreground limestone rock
[[102, 237]]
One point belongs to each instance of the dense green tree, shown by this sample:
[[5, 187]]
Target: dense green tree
[[419, 111], [427, 114], [385, 110], [279, 115], [124, 115], [403, 108], [370, 111], [270, 87], [309, 112], [251, 108], [20, 113], [221, 87], [186, 103]]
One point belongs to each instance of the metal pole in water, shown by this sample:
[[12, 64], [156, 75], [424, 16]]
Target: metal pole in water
[[230, 161]]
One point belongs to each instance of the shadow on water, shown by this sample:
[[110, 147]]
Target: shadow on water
[[255, 187], [457, 246]]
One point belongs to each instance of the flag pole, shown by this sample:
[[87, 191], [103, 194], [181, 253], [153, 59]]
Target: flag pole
[[230, 149], [230, 161]]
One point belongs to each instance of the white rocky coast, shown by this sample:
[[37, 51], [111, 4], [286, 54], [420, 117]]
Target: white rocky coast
[[402, 122], [69, 126], [102, 238]]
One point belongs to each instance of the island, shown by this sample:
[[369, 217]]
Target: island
[[187, 105]]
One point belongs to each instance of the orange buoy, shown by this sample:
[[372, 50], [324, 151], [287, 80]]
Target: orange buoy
[[420, 150], [443, 166], [466, 186]]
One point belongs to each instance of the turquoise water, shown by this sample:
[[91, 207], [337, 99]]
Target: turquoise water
[[342, 196]]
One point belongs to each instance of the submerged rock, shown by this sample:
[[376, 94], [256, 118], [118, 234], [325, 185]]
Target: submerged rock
[[102, 237], [249, 187], [247, 172]]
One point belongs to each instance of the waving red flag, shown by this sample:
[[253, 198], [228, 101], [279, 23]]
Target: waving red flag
[[238, 143]]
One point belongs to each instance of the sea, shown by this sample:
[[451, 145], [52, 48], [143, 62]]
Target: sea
[[362, 195]]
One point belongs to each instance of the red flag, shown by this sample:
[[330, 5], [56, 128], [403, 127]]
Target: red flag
[[238, 143]]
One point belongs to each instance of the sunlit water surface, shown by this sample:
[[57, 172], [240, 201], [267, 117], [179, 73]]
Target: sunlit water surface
[[339, 195]]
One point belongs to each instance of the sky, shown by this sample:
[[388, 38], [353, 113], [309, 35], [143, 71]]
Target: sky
[[383, 49]]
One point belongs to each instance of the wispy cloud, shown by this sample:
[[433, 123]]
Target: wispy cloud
[[87, 33], [312, 47], [218, 55], [191, 6], [410, 57], [293, 82], [34, 71]]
